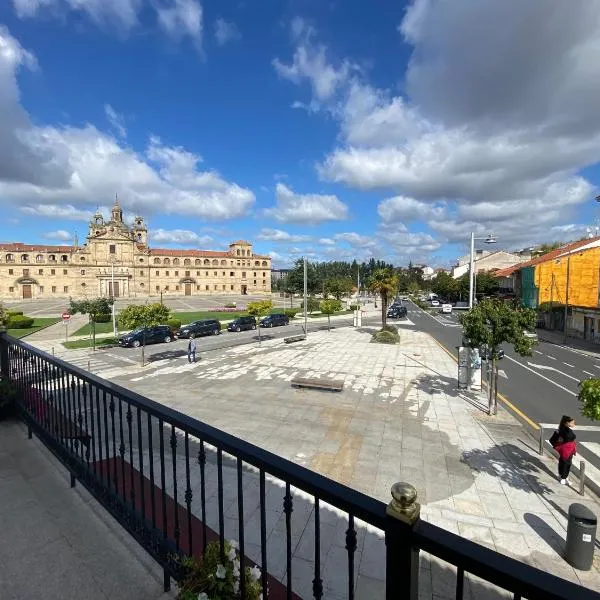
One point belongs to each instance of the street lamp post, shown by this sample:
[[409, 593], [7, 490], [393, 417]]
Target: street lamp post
[[567, 299], [112, 293], [305, 300], [490, 239]]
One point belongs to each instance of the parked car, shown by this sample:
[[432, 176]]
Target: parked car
[[532, 335], [242, 323], [275, 320], [435, 303], [198, 328], [396, 312], [152, 335], [446, 308]]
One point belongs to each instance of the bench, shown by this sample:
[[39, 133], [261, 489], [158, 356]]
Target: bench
[[329, 385], [294, 338]]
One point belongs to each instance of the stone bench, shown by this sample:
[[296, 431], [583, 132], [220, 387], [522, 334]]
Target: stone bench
[[294, 338], [330, 385]]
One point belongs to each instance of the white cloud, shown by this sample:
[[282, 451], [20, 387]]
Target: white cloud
[[60, 234], [181, 18], [356, 239], [120, 13], [403, 208], [327, 242], [116, 120], [179, 237], [306, 208], [57, 211], [277, 235], [483, 126], [78, 166], [226, 32]]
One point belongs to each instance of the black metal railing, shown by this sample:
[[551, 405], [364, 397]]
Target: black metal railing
[[176, 484]]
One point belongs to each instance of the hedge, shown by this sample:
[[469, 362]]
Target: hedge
[[103, 318], [174, 323], [14, 313], [19, 322], [291, 312]]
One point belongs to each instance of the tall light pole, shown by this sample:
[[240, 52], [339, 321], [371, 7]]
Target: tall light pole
[[112, 293], [490, 239], [567, 299], [305, 300]]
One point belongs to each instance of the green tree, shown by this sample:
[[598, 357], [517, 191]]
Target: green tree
[[413, 288], [260, 308], [295, 278], [338, 287], [547, 247], [492, 323], [135, 316], [3, 316], [312, 304], [330, 307], [589, 396], [93, 308], [445, 286], [385, 283]]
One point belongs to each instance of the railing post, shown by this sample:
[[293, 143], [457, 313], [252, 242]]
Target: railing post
[[4, 366], [402, 557]]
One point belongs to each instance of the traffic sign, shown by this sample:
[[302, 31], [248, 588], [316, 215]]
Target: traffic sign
[[66, 317]]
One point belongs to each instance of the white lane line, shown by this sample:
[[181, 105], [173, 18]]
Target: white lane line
[[542, 376], [568, 365], [550, 357], [588, 373], [538, 352]]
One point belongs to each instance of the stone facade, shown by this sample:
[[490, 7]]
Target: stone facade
[[118, 254]]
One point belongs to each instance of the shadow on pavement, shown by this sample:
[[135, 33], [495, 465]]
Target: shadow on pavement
[[167, 354], [448, 385], [551, 537]]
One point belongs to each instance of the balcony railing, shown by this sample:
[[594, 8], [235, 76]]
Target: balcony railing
[[176, 484]]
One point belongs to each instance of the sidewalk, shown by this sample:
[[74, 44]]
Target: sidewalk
[[556, 337], [399, 418]]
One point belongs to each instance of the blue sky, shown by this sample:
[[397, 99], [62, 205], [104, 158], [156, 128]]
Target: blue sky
[[332, 129]]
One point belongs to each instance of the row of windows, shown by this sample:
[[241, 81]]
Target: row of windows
[[198, 287], [215, 273], [38, 259], [65, 289], [197, 262], [41, 272], [26, 273]]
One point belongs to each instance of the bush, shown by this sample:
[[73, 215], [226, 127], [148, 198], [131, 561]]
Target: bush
[[19, 322], [103, 318], [14, 313], [291, 312], [174, 324], [230, 305], [353, 307], [385, 337], [312, 304], [390, 328]]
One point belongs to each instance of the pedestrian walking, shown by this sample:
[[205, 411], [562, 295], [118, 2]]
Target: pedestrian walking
[[563, 441], [192, 349]]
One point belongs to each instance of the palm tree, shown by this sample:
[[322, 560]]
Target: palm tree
[[385, 283]]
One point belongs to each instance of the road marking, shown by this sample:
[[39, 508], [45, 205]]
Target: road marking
[[547, 368], [502, 397], [568, 365], [502, 373], [550, 357], [538, 352], [542, 376], [588, 373]]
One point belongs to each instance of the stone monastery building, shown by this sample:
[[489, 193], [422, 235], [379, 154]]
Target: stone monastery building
[[116, 259]]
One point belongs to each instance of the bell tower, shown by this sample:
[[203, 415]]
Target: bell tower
[[140, 231], [117, 212]]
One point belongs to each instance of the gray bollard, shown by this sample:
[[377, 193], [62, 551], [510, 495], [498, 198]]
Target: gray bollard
[[541, 440], [582, 477]]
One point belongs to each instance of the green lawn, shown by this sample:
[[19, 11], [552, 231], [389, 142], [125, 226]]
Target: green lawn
[[100, 328], [88, 343], [37, 325]]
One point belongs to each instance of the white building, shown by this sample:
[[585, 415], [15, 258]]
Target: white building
[[486, 261]]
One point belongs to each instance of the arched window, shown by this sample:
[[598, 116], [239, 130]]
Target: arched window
[[257, 263], [265, 263], [166, 261], [223, 263], [238, 252], [83, 284], [39, 258], [197, 262], [52, 258], [24, 257], [187, 262], [10, 258], [157, 261], [215, 263], [175, 261], [247, 252], [206, 261], [82, 259], [64, 258], [141, 285]]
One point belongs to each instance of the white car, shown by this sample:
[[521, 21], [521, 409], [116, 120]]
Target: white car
[[435, 303], [532, 335], [446, 308]]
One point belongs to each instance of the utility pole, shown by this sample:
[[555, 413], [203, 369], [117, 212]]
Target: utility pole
[[305, 300], [567, 299]]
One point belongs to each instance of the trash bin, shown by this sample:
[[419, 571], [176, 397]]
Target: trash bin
[[581, 537]]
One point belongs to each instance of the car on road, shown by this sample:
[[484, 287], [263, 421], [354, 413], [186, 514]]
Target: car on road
[[396, 312], [435, 303], [147, 335], [446, 308], [532, 335], [275, 320], [199, 328], [242, 323]]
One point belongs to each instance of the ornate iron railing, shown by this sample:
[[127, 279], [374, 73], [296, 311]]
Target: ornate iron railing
[[176, 484]]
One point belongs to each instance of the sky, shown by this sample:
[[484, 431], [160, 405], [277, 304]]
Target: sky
[[327, 129]]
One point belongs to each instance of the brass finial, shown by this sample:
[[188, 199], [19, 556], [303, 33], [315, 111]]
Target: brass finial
[[404, 505]]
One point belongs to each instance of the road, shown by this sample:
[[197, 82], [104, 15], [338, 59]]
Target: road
[[540, 388]]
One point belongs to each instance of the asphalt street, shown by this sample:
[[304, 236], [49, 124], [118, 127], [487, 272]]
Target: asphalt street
[[541, 388]]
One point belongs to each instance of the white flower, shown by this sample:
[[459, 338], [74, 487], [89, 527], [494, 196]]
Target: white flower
[[236, 568], [255, 573], [221, 572], [231, 554], [236, 587], [234, 544], [202, 596]]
